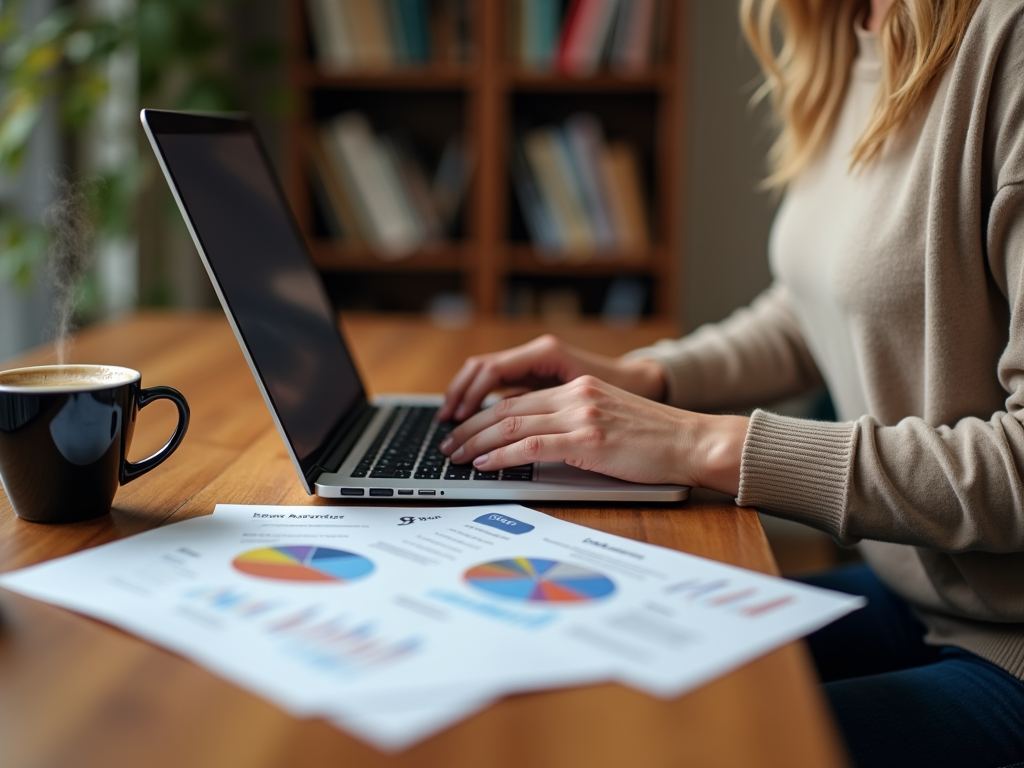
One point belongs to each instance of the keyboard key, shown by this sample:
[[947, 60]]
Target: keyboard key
[[485, 475]]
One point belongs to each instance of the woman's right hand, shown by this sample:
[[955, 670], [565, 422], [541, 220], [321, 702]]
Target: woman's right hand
[[544, 362]]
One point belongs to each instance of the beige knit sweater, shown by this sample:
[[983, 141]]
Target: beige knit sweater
[[902, 287]]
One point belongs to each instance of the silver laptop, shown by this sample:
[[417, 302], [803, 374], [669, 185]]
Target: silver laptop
[[343, 446]]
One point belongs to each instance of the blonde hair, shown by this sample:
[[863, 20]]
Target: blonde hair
[[806, 77]]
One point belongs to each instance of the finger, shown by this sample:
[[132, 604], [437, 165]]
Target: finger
[[498, 369], [509, 367], [529, 404], [553, 447], [453, 395], [510, 430]]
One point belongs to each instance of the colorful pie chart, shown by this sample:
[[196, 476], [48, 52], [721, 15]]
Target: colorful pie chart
[[302, 563], [536, 580]]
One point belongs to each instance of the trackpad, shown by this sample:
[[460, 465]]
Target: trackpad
[[563, 474]]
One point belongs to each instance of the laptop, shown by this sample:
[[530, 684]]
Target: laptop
[[343, 445]]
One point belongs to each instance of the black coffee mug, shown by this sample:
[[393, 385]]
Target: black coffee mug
[[65, 431]]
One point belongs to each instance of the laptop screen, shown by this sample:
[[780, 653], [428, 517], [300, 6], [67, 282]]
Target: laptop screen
[[264, 273]]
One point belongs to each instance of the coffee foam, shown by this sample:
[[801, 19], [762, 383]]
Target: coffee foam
[[70, 378]]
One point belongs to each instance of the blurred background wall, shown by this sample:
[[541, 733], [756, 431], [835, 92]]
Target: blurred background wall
[[727, 217]]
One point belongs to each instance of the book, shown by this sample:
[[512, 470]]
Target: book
[[451, 180], [415, 186], [333, 194], [543, 230], [547, 162], [370, 33], [621, 175], [585, 142], [366, 171], [632, 48], [569, 21], [395, 26], [415, 23], [585, 37], [394, 186], [331, 35], [539, 25], [322, 202]]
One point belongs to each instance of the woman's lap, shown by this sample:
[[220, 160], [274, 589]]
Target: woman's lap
[[901, 702]]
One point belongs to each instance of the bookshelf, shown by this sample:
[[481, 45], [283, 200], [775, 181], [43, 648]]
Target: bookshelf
[[492, 100]]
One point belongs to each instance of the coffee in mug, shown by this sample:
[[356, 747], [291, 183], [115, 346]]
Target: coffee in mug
[[65, 431]]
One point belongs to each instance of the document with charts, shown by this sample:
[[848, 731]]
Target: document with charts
[[394, 623]]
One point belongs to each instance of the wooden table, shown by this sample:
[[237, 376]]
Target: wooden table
[[78, 693]]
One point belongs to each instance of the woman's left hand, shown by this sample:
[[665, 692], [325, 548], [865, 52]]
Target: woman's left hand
[[592, 425]]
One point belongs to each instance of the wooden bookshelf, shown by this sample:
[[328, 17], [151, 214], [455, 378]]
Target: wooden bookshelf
[[487, 98]]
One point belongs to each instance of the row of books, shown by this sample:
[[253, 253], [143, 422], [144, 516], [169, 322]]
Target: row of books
[[624, 35], [581, 196], [373, 189], [385, 34]]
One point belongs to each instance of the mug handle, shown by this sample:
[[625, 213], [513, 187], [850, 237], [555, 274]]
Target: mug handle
[[147, 396]]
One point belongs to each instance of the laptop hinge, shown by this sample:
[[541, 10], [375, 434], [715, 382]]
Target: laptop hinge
[[348, 432]]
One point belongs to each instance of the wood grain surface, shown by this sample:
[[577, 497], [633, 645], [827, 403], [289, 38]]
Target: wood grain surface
[[77, 693]]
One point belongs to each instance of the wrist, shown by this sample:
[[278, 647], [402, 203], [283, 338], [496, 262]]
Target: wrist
[[722, 453], [646, 378]]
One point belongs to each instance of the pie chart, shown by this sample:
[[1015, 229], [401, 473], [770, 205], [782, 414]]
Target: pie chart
[[303, 563], [536, 580]]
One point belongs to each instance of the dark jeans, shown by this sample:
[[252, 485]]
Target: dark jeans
[[899, 702]]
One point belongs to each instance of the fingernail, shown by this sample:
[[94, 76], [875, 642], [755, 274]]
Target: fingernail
[[458, 455], [446, 445], [480, 460]]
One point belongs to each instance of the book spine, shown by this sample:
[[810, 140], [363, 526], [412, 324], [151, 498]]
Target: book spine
[[623, 29], [553, 175], [539, 31], [351, 192], [323, 202], [569, 23], [395, 12], [339, 194], [395, 236], [622, 177], [320, 32], [417, 35], [587, 39], [378, 49], [451, 179], [415, 187], [585, 142], [543, 231], [636, 54]]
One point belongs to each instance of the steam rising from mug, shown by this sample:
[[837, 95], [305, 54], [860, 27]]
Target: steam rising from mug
[[70, 253]]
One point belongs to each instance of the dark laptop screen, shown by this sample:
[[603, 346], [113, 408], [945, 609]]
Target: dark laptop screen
[[264, 272]]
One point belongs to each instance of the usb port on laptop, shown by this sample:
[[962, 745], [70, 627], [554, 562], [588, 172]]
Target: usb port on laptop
[[382, 491], [427, 493], [405, 492], [352, 491]]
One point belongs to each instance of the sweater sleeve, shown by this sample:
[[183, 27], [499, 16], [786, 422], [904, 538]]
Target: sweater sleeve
[[954, 488], [756, 355]]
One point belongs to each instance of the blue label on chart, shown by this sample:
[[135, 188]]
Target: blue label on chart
[[504, 523]]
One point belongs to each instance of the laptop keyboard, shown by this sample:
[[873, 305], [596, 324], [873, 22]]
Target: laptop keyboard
[[406, 448]]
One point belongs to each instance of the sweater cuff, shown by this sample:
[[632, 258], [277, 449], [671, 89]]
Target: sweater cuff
[[798, 469]]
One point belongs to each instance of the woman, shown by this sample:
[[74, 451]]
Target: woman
[[898, 256]]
